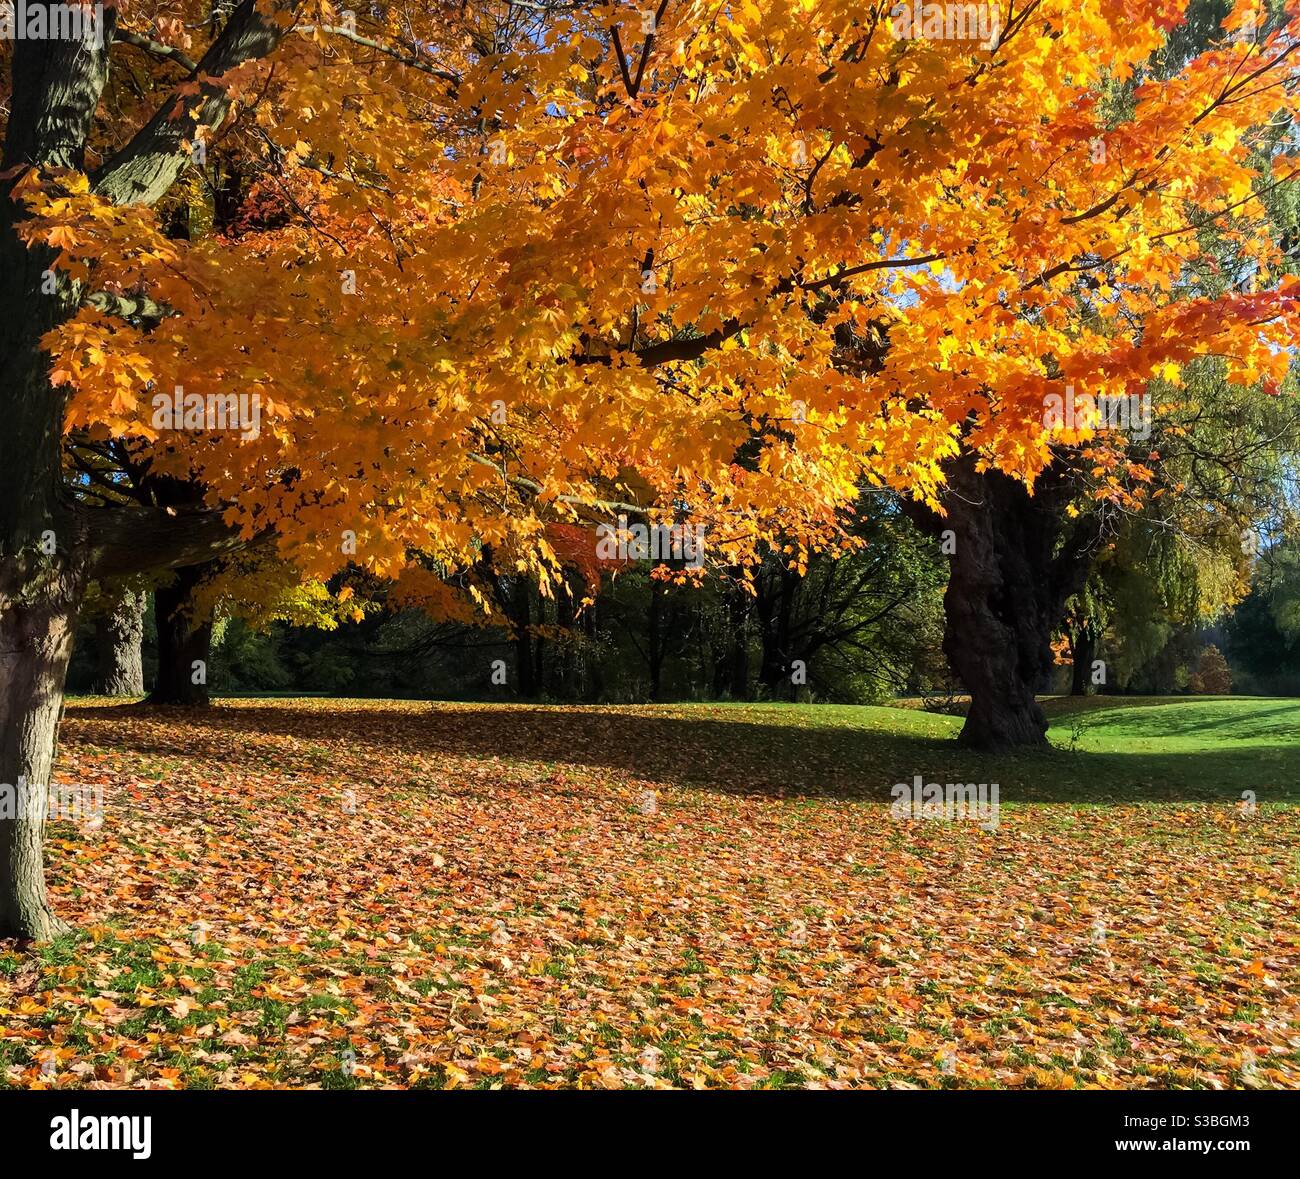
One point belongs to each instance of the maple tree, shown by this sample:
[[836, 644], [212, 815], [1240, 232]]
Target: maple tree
[[501, 267]]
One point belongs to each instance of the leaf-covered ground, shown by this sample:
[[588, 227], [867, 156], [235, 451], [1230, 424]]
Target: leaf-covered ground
[[353, 894]]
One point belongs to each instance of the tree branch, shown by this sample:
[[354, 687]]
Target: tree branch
[[405, 58], [122, 540], [150, 163], [156, 49]]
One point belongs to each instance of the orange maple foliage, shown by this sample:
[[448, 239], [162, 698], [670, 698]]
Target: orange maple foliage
[[759, 257]]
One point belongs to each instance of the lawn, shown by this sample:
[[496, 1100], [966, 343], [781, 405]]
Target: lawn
[[311, 892]]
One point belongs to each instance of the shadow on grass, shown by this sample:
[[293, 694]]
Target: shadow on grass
[[745, 756]]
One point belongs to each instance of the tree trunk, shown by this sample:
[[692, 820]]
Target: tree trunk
[[539, 648], [656, 639], [565, 668], [35, 646], [731, 673], [1083, 647], [521, 619], [593, 668], [1010, 575], [184, 641], [119, 641], [776, 607], [40, 581]]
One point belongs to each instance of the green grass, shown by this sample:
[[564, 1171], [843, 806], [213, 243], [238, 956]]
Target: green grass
[[1175, 724], [1203, 747]]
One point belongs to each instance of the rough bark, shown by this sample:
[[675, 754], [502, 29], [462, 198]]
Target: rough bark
[[56, 87], [184, 639], [1014, 565], [119, 646], [36, 632]]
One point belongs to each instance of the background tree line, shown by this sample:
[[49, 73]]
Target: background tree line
[[864, 628]]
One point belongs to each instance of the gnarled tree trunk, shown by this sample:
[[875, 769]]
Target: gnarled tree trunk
[[119, 646], [56, 85], [1012, 568]]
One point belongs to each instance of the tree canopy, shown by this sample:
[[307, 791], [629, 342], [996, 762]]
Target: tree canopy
[[494, 260]]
